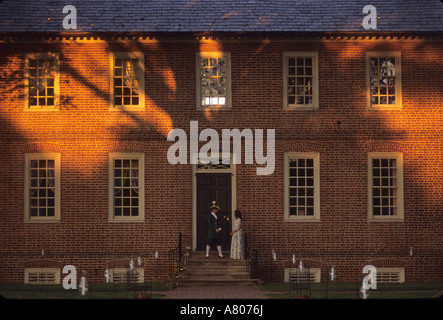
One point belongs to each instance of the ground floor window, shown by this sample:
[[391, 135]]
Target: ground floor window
[[385, 191], [302, 186], [42, 187], [126, 186]]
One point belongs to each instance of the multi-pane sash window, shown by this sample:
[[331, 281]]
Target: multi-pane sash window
[[385, 177], [300, 80], [127, 85], [302, 186], [384, 82], [213, 74], [42, 81], [42, 187], [126, 187]]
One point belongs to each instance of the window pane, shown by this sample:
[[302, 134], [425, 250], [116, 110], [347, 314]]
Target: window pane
[[51, 212]]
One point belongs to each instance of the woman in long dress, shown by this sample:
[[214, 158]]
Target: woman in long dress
[[237, 242]]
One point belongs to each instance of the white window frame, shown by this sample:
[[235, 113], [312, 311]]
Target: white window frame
[[400, 210], [286, 57], [141, 79], [398, 86], [42, 156], [141, 185], [302, 218], [43, 55], [227, 56]]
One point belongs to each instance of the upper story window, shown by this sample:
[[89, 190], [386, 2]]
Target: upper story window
[[383, 80], [385, 176], [42, 187], [302, 186], [127, 80], [214, 80], [300, 80], [41, 81]]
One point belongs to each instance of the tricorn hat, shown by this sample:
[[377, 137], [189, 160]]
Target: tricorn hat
[[214, 206]]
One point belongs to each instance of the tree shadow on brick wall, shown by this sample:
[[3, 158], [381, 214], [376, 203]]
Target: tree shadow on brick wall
[[165, 87]]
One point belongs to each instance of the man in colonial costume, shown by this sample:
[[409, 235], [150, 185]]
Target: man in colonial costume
[[214, 229]]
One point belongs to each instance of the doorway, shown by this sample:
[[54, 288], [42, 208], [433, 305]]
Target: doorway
[[213, 182], [214, 187]]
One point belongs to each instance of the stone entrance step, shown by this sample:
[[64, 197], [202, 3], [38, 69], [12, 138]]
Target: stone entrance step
[[216, 271]]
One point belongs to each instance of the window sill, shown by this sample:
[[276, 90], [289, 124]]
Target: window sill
[[123, 108], [138, 220], [41, 109], [37, 221], [202, 108], [302, 108], [301, 219], [396, 219], [387, 108]]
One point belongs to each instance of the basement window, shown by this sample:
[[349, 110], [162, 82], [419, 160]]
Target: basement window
[[123, 275], [390, 275], [42, 276], [293, 275]]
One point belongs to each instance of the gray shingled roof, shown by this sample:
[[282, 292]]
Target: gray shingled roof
[[221, 16]]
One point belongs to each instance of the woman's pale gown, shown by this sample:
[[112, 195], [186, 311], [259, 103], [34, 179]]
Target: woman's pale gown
[[237, 242]]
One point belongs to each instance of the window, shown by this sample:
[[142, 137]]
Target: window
[[214, 80], [127, 80], [42, 187], [42, 276], [126, 187], [123, 275], [300, 80], [41, 81], [390, 275], [302, 202], [385, 186], [309, 275], [383, 80]]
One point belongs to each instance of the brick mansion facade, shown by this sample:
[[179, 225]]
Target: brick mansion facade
[[85, 115]]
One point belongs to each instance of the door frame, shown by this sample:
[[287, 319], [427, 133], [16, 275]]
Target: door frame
[[195, 171]]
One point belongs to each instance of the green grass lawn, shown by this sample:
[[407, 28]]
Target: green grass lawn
[[272, 290], [346, 290], [95, 291]]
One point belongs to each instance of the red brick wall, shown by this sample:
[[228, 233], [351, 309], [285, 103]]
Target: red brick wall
[[342, 130]]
